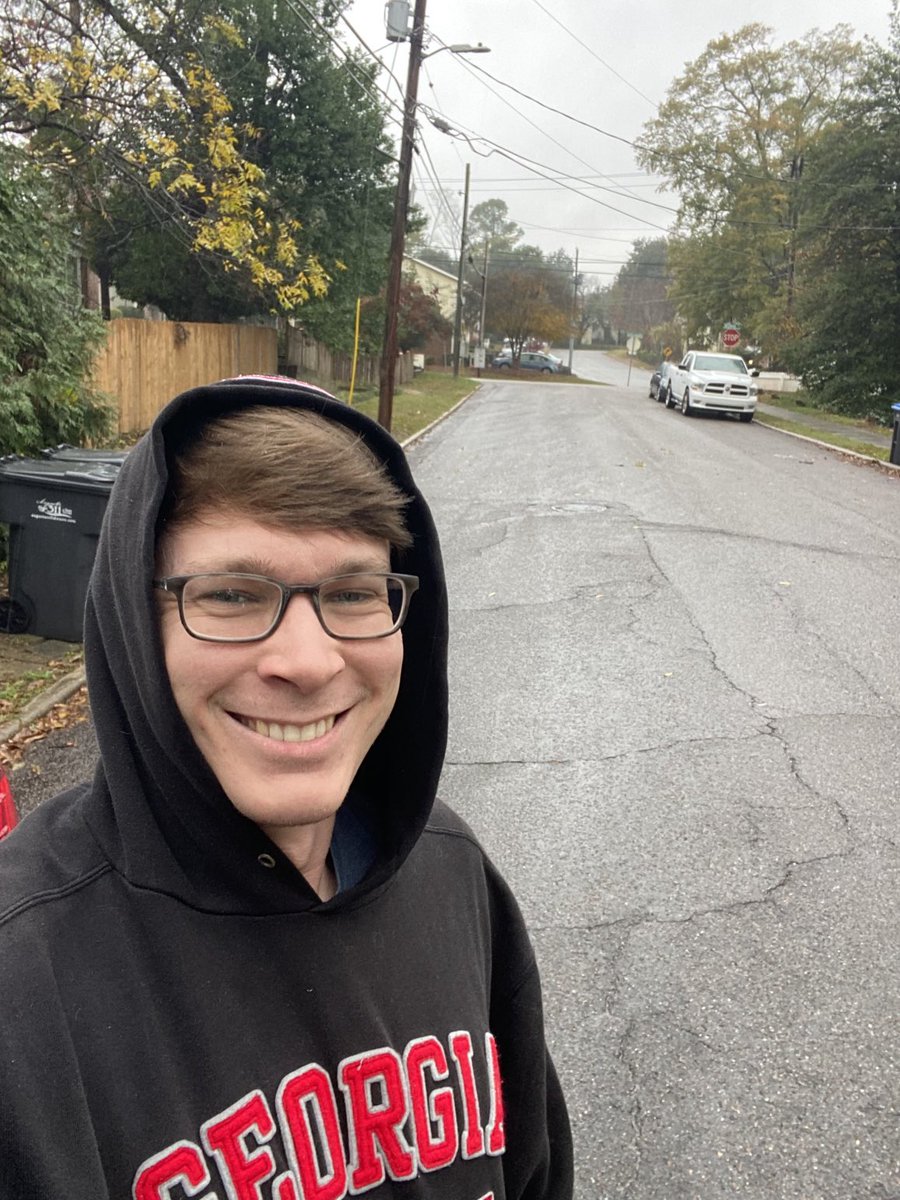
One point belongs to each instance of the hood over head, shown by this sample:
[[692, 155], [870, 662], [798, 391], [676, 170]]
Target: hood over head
[[156, 808]]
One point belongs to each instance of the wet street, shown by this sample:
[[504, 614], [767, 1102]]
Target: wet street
[[675, 691]]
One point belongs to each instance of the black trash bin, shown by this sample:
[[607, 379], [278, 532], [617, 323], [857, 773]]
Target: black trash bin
[[54, 507], [895, 439]]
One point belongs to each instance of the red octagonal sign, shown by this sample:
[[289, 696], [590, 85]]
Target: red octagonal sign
[[731, 337]]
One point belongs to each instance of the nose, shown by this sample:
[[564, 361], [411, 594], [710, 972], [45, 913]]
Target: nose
[[300, 650]]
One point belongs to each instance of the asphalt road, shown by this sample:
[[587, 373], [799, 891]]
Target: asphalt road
[[603, 368], [675, 695]]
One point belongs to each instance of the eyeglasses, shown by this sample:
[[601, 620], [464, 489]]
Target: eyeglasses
[[247, 608]]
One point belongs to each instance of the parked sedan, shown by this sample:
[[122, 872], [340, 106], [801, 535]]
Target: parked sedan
[[531, 360]]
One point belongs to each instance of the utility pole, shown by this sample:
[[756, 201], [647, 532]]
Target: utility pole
[[457, 327], [398, 229], [574, 312], [484, 277], [793, 222]]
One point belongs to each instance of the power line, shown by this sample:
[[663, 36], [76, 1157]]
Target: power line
[[558, 111], [594, 54], [538, 169], [472, 68]]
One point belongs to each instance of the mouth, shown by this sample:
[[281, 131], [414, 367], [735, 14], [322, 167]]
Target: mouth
[[278, 731]]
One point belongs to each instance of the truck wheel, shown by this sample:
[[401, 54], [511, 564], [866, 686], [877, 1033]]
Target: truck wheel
[[686, 409], [669, 398], [745, 417]]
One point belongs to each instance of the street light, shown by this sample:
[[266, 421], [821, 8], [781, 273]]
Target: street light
[[460, 48], [401, 207]]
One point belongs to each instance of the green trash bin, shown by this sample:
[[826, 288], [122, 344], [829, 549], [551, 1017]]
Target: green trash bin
[[54, 509]]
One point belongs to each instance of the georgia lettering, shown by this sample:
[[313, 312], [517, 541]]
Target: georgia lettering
[[404, 1114]]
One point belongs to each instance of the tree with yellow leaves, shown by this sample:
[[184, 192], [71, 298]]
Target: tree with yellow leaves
[[159, 121]]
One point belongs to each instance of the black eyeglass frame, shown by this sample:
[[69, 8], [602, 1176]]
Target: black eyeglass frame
[[175, 585]]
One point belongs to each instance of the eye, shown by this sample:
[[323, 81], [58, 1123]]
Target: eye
[[227, 597], [354, 591], [351, 596], [227, 593]]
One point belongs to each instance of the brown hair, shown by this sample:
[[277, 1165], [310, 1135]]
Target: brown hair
[[286, 467]]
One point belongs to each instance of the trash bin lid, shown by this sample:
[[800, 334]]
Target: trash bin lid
[[73, 474], [896, 408], [81, 454]]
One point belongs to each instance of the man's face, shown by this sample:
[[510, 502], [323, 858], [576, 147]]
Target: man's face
[[240, 700]]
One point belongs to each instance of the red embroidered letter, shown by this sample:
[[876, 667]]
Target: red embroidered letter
[[473, 1139], [434, 1116], [182, 1163], [376, 1136], [223, 1136], [496, 1131], [309, 1118]]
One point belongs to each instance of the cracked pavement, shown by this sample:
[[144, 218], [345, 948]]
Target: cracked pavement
[[675, 686], [674, 699]]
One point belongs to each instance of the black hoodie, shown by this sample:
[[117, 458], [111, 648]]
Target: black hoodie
[[180, 1018]]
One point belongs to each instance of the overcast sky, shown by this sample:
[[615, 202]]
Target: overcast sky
[[608, 64]]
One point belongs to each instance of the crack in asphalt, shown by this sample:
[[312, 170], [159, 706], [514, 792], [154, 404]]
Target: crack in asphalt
[[754, 700], [797, 774], [664, 527], [626, 1058], [630, 923], [636, 751]]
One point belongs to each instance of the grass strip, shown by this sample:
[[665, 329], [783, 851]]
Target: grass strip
[[795, 403], [16, 693], [820, 435], [416, 404]]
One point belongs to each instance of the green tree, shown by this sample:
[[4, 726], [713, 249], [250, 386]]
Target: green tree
[[204, 133], [594, 313], [638, 301], [47, 340], [848, 291], [732, 137], [490, 226], [525, 299]]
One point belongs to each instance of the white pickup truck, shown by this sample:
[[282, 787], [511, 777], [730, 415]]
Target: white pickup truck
[[711, 382]]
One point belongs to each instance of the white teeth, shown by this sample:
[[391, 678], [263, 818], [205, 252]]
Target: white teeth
[[291, 733]]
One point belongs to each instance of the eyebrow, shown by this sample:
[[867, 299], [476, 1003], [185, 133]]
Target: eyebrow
[[260, 566]]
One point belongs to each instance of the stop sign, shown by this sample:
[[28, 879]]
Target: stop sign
[[730, 337]]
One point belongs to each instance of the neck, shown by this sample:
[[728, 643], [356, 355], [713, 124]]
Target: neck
[[307, 847]]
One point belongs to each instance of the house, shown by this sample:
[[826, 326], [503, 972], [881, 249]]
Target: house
[[434, 282], [440, 284]]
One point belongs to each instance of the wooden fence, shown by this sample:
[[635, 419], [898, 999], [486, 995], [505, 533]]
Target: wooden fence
[[145, 363], [309, 359]]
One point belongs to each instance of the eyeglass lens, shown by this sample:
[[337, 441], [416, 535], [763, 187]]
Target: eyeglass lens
[[233, 607]]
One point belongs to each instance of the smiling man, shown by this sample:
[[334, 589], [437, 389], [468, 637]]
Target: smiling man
[[256, 957]]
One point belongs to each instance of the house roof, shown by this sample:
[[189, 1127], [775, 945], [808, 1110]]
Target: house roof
[[430, 267]]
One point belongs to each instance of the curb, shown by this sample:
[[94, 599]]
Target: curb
[[41, 705], [879, 462], [414, 437]]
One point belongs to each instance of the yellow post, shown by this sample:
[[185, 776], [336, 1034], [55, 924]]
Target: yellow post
[[355, 352]]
